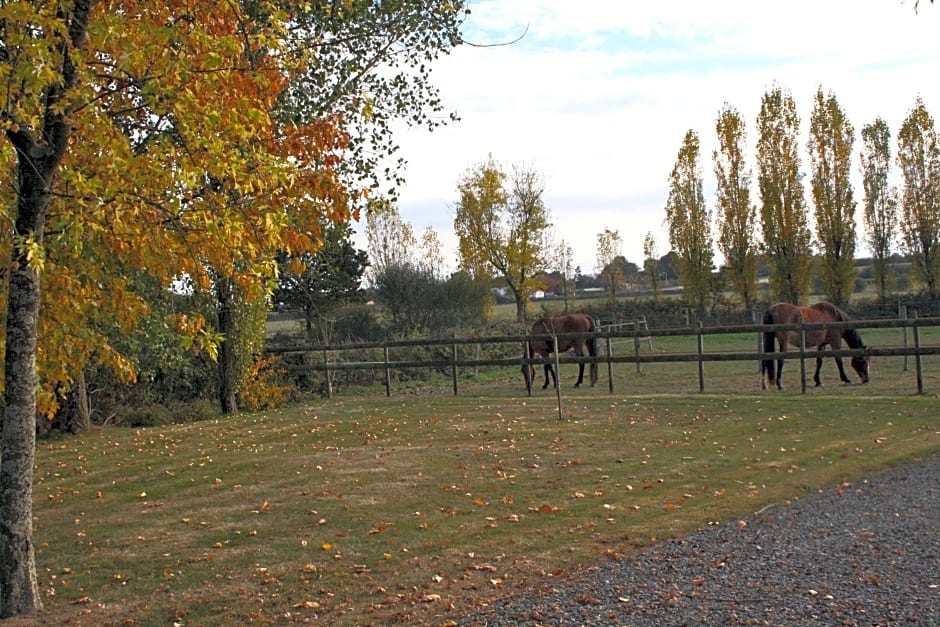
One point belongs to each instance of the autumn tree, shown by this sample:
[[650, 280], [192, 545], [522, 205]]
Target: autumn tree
[[372, 68], [919, 160], [651, 263], [880, 203], [783, 215], [689, 224], [431, 253], [736, 214], [609, 247], [150, 141], [831, 139], [503, 232]]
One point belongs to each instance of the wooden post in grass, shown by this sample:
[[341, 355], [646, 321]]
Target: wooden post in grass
[[701, 361], [917, 360], [328, 373], [388, 374], [802, 355], [636, 344], [902, 314], [453, 352], [561, 413], [610, 366]]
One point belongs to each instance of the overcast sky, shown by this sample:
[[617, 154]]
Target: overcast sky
[[597, 96]]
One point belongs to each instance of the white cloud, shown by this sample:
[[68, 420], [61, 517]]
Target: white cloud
[[598, 96]]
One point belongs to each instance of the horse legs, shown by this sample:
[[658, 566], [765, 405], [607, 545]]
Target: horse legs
[[842, 376], [836, 345], [580, 375], [549, 370], [783, 349], [579, 352]]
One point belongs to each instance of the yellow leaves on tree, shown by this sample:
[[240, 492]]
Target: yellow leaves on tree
[[176, 162]]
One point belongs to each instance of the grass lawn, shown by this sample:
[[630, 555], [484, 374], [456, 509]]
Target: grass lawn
[[417, 508]]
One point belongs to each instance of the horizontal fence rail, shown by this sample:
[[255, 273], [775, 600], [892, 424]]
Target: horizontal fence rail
[[701, 356]]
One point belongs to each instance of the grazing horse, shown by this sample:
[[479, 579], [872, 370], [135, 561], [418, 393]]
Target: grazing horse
[[786, 313], [559, 325]]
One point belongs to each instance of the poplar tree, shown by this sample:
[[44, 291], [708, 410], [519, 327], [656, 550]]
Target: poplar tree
[[690, 225], [783, 213], [609, 247], [737, 216], [880, 202], [919, 160], [831, 139], [564, 254], [651, 263]]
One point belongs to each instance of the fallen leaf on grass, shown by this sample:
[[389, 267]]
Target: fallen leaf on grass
[[309, 605]]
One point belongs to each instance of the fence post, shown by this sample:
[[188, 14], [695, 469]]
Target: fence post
[[917, 360], [636, 345], [610, 366], [561, 413], [454, 368], [902, 314], [760, 346], [388, 374], [701, 362], [329, 374], [802, 355]]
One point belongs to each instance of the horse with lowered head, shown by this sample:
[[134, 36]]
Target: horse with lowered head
[[562, 325], [787, 313]]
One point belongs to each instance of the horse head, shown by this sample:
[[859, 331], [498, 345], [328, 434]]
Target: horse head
[[862, 364]]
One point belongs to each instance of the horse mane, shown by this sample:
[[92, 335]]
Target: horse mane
[[836, 313]]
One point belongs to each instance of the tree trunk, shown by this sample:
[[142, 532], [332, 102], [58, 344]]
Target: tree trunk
[[309, 312], [79, 410], [228, 386], [39, 153], [19, 587]]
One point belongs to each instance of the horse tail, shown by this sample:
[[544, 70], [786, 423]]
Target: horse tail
[[592, 348], [767, 365]]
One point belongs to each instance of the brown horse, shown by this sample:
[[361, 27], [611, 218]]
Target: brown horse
[[561, 325], [786, 313]]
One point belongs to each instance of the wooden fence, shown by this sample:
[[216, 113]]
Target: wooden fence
[[329, 365]]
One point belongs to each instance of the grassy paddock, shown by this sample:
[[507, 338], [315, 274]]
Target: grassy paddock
[[419, 508]]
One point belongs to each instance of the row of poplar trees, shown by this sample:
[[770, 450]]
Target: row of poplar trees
[[778, 226]]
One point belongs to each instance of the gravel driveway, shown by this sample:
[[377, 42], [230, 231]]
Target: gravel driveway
[[863, 554]]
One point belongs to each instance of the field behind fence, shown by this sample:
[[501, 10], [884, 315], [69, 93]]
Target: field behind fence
[[632, 360]]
